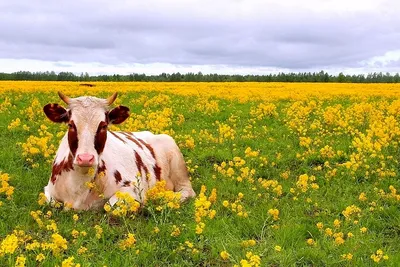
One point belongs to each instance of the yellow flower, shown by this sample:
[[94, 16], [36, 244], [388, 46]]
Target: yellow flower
[[347, 256], [40, 257], [15, 123], [107, 207], [20, 262], [162, 198], [99, 231], [225, 203], [362, 197], [89, 185], [175, 231], [59, 243], [189, 244], [75, 233], [9, 244], [32, 246], [129, 242], [363, 230], [248, 243], [69, 262], [52, 226], [278, 248], [350, 211], [285, 175], [211, 214], [156, 230], [311, 242], [339, 240], [224, 255], [82, 250], [91, 171], [5, 187], [202, 207], [42, 199], [253, 260], [75, 217], [274, 213], [350, 234], [378, 255]]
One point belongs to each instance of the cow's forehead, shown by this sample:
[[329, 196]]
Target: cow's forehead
[[87, 109], [88, 102]]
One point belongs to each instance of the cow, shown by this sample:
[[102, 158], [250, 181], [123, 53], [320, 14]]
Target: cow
[[89, 153]]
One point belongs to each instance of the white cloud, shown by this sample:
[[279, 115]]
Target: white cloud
[[155, 36], [385, 60], [95, 68]]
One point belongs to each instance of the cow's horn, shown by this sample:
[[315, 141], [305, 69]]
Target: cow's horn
[[64, 98], [112, 98]]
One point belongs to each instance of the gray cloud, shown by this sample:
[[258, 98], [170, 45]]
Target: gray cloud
[[115, 32]]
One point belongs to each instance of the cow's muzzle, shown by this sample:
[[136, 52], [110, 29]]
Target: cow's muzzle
[[85, 160]]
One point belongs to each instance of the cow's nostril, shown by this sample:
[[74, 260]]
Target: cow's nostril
[[85, 159]]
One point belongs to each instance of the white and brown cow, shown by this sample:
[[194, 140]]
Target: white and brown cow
[[118, 156]]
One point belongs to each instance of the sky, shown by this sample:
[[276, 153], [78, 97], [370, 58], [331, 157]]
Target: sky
[[211, 36]]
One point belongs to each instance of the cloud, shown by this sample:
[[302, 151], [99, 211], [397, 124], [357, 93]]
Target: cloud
[[236, 34]]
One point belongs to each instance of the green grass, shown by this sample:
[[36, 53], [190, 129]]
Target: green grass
[[299, 211]]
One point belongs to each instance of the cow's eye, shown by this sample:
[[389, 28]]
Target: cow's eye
[[104, 127], [70, 125]]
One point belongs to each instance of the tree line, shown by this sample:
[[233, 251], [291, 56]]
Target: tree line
[[200, 77]]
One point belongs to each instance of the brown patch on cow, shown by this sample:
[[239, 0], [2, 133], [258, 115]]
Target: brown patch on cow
[[148, 147], [63, 166], [70, 161], [157, 172], [72, 137], [100, 137], [56, 113], [118, 114], [107, 118], [126, 184], [118, 177], [102, 167], [156, 168], [132, 139], [87, 84], [116, 136], [140, 165]]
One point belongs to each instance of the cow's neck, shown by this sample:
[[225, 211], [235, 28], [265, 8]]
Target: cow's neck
[[78, 187]]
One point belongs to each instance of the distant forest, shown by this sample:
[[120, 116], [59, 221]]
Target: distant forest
[[200, 77]]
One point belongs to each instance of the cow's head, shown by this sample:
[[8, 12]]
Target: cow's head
[[87, 118]]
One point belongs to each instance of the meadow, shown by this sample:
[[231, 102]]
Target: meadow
[[286, 174]]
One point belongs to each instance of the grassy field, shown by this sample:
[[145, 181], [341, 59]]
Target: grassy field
[[285, 175]]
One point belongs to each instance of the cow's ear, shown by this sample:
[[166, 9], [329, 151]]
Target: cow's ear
[[118, 115], [56, 113]]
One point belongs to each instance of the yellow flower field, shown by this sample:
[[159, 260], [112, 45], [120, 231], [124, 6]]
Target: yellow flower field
[[286, 174], [244, 92]]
